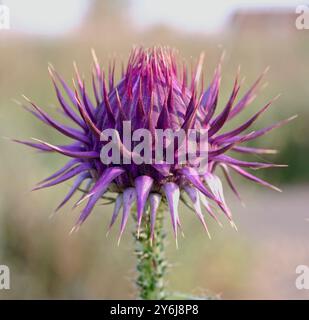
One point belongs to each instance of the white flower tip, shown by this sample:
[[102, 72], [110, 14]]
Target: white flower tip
[[233, 225], [26, 98], [266, 70], [50, 71], [243, 204], [95, 58], [52, 215], [74, 229], [208, 234], [50, 66], [118, 242], [82, 200]]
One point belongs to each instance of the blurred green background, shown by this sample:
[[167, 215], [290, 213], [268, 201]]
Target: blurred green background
[[258, 261]]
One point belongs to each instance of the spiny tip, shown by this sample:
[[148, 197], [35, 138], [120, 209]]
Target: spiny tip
[[138, 232], [293, 117], [276, 97], [74, 229], [119, 239], [222, 57], [95, 58], [277, 189], [208, 234], [79, 202], [233, 225], [52, 215], [266, 70], [26, 98], [50, 66]]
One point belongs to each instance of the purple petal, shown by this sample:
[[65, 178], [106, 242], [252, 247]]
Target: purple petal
[[251, 177], [85, 114], [129, 196], [192, 176], [194, 197], [38, 146], [211, 96], [73, 154], [104, 181], [219, 121], [208, 208], [247, 98], [263, 131], [79, 180], [66, 108], [95, 89], [69, 132], [66, 176], [251, 150], [117, 207], [229, 180], [243, 127], [172, 194], [143, 185], [66, 88], [163, 168], [89, 206], [255, 165], [88, 104], [191, 113], [154, 201], [66, 167], [216, 188]]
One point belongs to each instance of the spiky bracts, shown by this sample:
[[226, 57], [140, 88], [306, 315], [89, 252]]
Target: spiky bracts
[[154, 92]]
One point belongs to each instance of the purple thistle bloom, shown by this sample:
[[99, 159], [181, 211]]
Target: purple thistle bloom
[[152, 93]]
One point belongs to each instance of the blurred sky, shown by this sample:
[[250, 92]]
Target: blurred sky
[[197, 15], [46, 17], [54, 17]]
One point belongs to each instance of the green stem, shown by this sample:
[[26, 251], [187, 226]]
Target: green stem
[[151, 265]]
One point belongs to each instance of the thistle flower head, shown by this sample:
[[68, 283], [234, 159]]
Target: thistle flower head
[[154, 92]]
